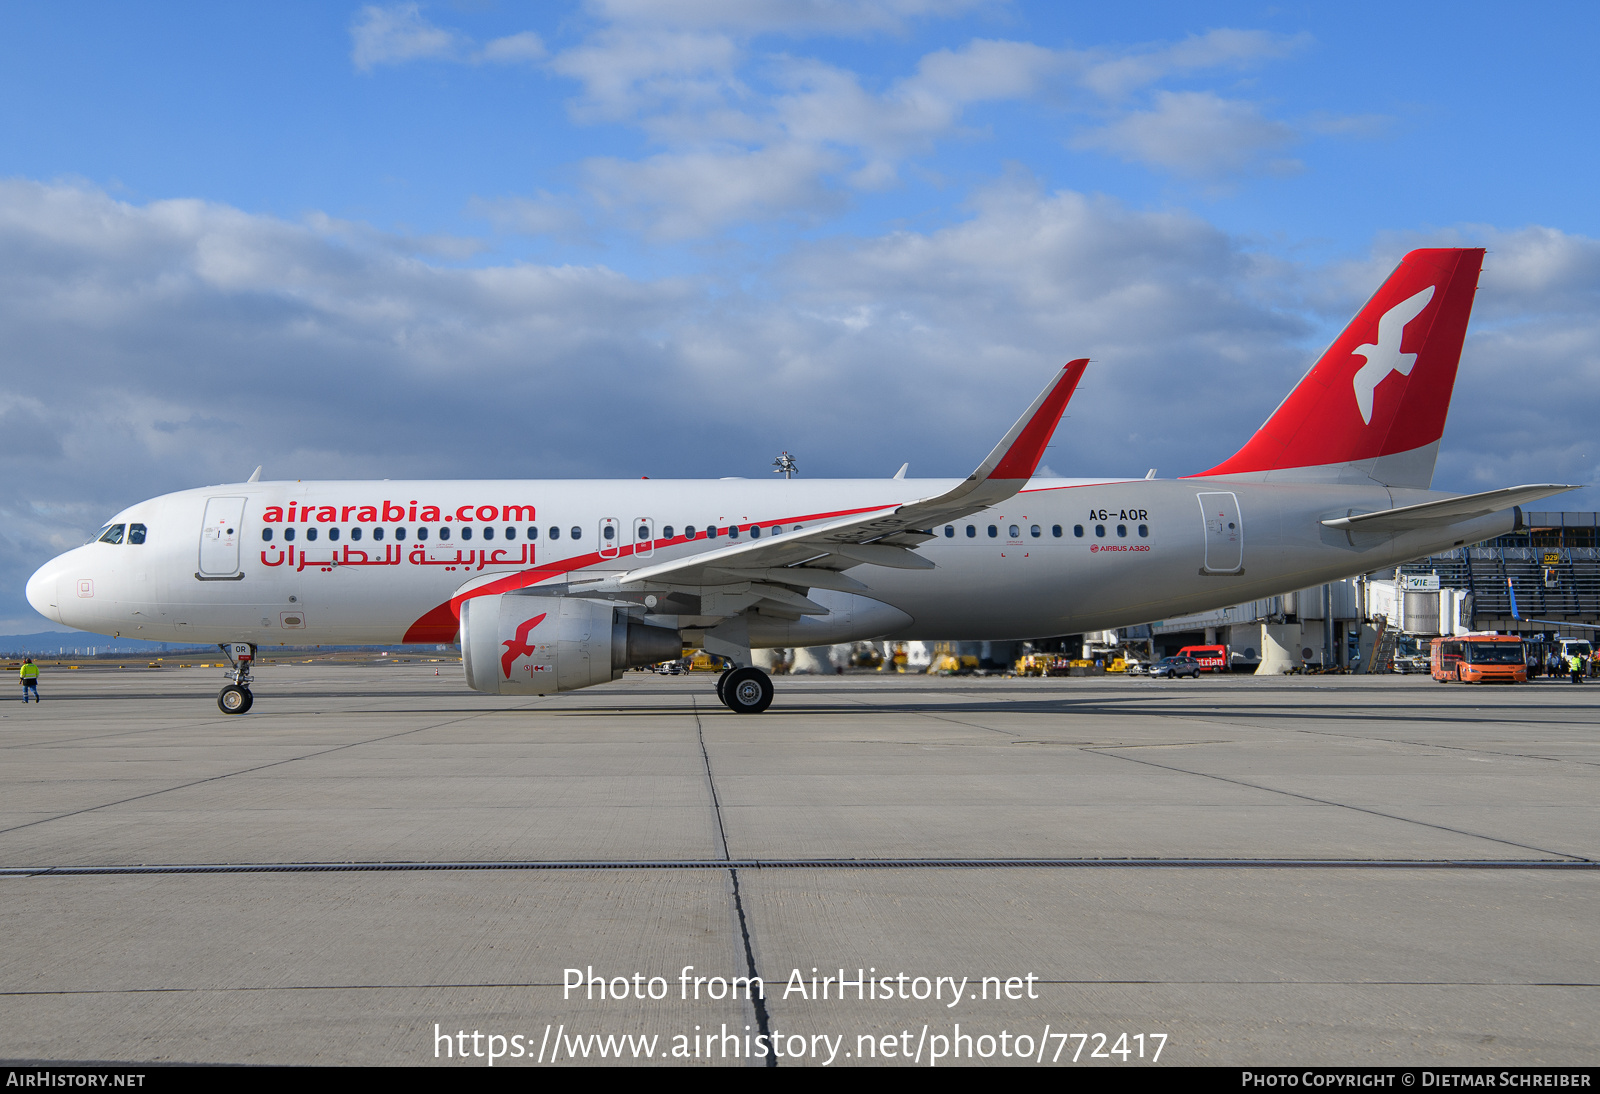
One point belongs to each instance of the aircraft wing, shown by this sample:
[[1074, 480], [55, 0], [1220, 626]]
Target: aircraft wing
[[814, 557], [1448, 511]]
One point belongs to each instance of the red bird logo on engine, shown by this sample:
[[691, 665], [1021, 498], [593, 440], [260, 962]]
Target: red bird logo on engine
[[518, 645]]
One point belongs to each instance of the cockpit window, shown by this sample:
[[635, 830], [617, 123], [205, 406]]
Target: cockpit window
[[135, 533], [113, 534]]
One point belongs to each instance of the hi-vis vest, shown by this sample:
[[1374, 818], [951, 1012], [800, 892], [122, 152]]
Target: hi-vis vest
[[30, 671]]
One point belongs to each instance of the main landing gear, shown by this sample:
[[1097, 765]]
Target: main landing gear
[[236, 697], [745, 691]]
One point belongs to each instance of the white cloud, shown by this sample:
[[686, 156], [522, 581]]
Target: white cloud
[[628, 74], [691, 194], [513, 49], [781, 16], [685, 76], [397, 34], [1195, 133], [1114, 75], [986, 70], [543, 214]]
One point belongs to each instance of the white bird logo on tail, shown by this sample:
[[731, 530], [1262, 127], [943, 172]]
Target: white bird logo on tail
[[1385, 357]]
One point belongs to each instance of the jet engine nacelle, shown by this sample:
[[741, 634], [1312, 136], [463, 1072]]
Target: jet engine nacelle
[[536, 645]]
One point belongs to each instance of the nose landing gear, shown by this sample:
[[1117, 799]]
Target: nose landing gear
[[236, 697]]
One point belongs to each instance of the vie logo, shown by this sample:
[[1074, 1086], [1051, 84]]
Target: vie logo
[[1385, 357], [518, 646]]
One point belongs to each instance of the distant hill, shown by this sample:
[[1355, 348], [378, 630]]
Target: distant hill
[[81, 643]]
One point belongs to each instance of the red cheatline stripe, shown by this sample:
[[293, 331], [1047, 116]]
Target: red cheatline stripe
[[439, 624]]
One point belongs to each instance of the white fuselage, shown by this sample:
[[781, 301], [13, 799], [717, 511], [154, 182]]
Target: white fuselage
[[349, 562]]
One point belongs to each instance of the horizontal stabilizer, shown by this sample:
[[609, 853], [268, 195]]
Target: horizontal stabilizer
[[1431, 514]]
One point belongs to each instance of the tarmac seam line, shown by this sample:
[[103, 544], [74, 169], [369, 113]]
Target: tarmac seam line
[[1099, 750], [1040, 863], [759, 1005], [232, 774]]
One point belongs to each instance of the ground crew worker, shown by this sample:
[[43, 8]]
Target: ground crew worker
[[1575, 664], [30, 679]]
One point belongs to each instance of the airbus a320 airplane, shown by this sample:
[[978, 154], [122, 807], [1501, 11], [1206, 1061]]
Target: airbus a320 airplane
[[550, 586]]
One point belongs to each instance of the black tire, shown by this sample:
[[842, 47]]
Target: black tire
[[722, 679], [234, 699], [747, 691]]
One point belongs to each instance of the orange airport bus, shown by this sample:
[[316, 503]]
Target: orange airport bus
[[1480, 659], [1211, 658]]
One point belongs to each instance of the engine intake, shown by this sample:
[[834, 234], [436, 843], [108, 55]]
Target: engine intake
[[536, 645]]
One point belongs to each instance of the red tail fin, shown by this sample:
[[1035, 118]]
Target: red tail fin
[[1373, 407]]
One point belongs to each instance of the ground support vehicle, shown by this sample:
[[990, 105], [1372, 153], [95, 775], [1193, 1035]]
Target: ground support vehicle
[[1479, 659]]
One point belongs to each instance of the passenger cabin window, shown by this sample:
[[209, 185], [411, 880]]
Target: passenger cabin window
[[266, 535], [555, 533], [666, 532], [1077, 530], [466, 533], [444, 533], [609, 532], [400, 532], [733, 531], [577, 533], [422, 533], [1055, 530], [1122, 531], [711, 531], [993, 532], [1100, 530], [135, 533], [949, 531], [355, 533], [971, 531], [488, 533], [311, 534], [644, 533], [113, 534], [1144, 531], [511, 533], [333, 535], [377, 534], [1014, 532], [1034, 531], [533, 531], [755, 531], [688, 531]]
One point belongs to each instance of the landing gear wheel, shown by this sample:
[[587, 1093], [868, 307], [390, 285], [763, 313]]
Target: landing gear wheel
[[722, 680], [235, 700], [747, 691]]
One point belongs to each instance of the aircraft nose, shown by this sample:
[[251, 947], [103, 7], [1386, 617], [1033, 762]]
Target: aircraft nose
[[41, 590]]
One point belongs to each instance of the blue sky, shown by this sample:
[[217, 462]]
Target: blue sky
[[619, 238]]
